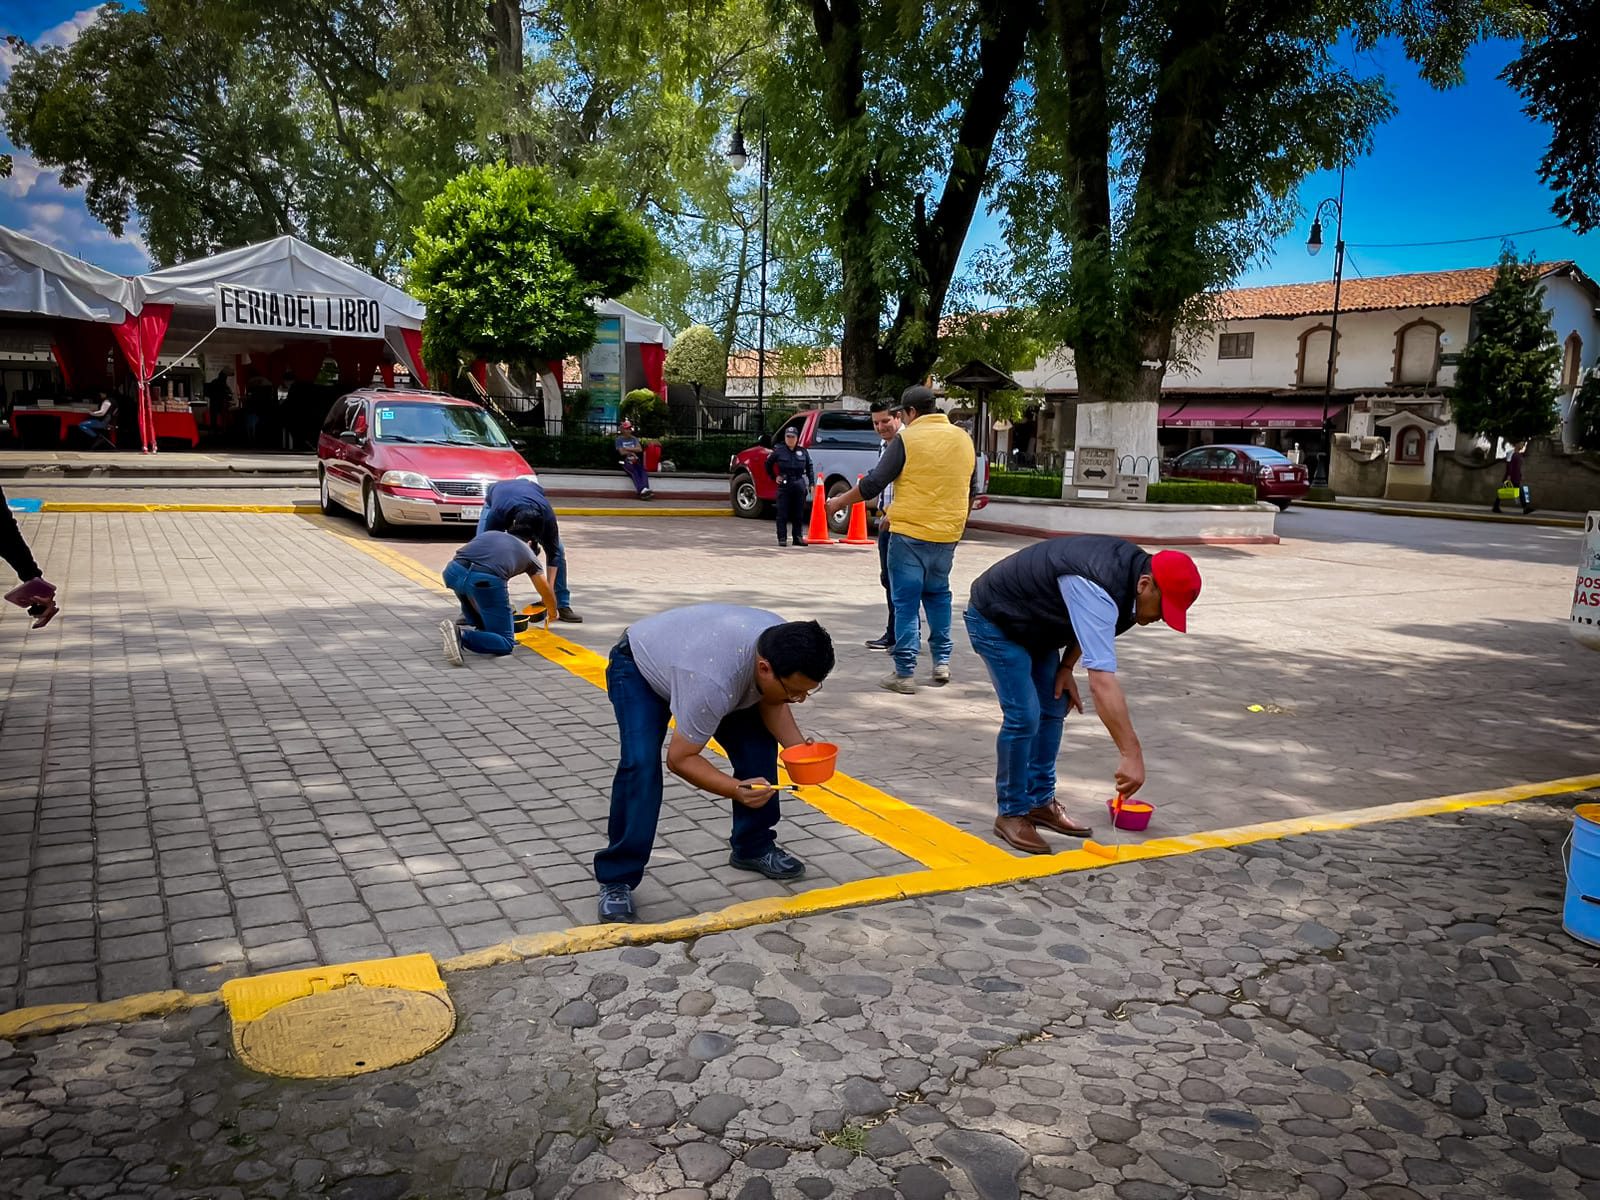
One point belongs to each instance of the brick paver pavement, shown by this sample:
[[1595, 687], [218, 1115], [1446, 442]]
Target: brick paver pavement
[[240, 750]]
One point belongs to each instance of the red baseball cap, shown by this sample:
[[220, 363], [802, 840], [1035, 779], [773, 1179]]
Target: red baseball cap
[[1179, 580]]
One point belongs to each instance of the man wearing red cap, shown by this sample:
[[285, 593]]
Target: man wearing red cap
[[1032, 617]]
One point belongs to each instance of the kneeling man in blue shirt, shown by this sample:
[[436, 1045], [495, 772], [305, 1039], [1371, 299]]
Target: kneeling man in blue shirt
[[720, 671]]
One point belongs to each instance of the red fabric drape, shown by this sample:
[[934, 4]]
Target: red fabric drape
[[82, 349], [386, 370], [140, 338], [413, 340], [357, 359], [558, 368], [652, 358], [480, 372], [305, 358], [61, 361]]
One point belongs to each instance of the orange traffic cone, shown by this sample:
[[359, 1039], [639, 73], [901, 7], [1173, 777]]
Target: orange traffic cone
[[818, 535], [857, 533]]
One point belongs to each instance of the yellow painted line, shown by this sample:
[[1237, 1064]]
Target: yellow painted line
[[651, 511], [55, 1018], [395, 561], [111, 506], [252, 996], [883, 889], [860, 806], [1429, 514]]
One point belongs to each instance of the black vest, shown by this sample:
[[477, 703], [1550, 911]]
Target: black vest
[[1022, 595]]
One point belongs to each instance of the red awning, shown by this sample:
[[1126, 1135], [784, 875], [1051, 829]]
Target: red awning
[[1247, 414]]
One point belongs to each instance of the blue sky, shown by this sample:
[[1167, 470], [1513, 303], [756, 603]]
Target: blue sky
[[1456, 164]]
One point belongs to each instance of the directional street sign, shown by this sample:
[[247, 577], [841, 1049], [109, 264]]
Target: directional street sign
[[1094, 466]]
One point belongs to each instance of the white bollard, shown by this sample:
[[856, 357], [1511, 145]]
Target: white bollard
[[1586, 595]]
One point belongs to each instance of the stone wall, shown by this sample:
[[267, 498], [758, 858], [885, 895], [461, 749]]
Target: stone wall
[[1561, 481], [1354, 472]]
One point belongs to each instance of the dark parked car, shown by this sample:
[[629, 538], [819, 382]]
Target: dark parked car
[[1271, 473]]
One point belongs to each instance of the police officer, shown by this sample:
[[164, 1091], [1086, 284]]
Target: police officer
[[791, 467]]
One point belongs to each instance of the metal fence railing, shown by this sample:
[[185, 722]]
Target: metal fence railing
[[711, 418]]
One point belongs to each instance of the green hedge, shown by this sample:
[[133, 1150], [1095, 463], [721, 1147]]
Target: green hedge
[[1197, 491], [598, 452], [1044, 485]]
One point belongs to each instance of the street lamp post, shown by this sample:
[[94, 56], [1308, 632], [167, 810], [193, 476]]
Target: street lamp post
[[738, 157], [1320, 489]]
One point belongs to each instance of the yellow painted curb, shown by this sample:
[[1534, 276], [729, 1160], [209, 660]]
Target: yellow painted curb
[[251, 997], [585, 938], [652, 511], [1487, 518], [860, 806], [111, 506], [55, 1018], [58, 1018]]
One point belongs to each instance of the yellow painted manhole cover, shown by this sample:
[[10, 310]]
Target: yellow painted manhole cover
[[349, 1031], [325, 1022]]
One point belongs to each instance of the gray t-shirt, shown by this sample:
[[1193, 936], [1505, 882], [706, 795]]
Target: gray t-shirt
[[498, 553], [702, 659]]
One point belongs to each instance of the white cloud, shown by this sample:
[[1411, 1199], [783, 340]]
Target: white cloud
[[68, 31], [25, 175]]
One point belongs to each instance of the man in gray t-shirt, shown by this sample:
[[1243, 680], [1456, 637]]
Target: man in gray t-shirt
[[720, 671]]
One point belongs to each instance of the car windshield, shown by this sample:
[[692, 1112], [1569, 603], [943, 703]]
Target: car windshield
[[1261, 454], [437, 424]]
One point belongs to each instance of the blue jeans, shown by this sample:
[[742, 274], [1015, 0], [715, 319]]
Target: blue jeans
[[642, 718], [919, 581], [486, 603], [1031, 716]]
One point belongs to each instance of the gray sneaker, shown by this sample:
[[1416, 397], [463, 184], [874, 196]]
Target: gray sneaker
[[450, 635], [941, 674], [898, 683]]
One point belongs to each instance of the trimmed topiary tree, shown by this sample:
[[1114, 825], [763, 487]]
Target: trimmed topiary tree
[[646, 410], [699, 360]]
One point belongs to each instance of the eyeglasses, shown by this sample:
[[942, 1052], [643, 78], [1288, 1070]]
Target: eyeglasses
[[798, 697]]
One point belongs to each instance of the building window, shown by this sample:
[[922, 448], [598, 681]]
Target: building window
[[1236, 345], [1571, 362], [1410, 446], [1313, 366], [1416, 354]]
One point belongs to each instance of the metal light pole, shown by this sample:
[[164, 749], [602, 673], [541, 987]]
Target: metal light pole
[[1319, 482], [738, 158]]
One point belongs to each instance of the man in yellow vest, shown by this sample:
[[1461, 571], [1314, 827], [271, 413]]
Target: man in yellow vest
[[933, 467]]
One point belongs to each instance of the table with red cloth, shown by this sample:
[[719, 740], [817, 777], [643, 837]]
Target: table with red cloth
[[177, 426]]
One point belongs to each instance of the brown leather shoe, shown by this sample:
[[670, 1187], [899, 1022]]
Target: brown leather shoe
[[1053, 816], [1019, 831]]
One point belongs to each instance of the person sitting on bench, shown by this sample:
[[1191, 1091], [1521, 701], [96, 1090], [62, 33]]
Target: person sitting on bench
[[631, 451]]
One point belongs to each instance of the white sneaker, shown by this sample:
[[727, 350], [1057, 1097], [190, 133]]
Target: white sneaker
[[941, 674], [450, 634], [898, 683]]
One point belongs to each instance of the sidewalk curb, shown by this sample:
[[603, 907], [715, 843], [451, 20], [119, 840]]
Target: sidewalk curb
[[1483, 518], [57, 1018]]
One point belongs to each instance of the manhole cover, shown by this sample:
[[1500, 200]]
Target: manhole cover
[[347, 1031]]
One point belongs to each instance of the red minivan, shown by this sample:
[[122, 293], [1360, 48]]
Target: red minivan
[[412, 458], [1271, 473]]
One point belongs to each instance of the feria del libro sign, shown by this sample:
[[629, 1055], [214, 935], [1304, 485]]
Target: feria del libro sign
[[297, 312]]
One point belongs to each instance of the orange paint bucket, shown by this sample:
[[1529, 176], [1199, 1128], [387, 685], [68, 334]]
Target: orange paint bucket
[[1132, 815], [812, 762]]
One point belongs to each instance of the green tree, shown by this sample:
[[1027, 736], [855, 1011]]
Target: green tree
[[646, 410], [1506, 380], [1558, 74], [507, 267], [699, 360], [1161, 155]]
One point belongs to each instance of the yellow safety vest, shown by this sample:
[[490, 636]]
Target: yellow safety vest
[[932, 494]]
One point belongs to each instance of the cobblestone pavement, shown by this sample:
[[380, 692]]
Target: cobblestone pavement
[[1393, 658], [240, 750], [1389, 1012]]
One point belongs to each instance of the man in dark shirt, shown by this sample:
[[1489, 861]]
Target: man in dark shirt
[[522, 501], [886, 424], [631, 451], [791, 467], [1073, 595], [479, 575]]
